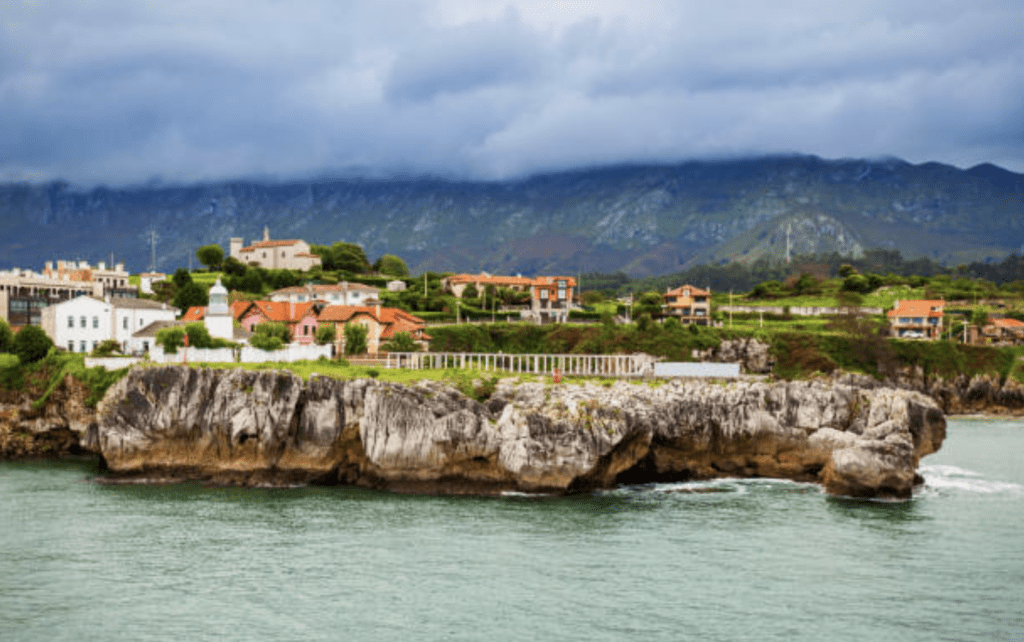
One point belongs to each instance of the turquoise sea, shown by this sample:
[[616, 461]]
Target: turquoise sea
[[725, 560]]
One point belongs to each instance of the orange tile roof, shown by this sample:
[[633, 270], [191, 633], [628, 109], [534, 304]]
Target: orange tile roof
[[238, 308], [195, 313], [393, 319], [492, 280], [922, 308], [1007, 323], [694, 291], [283, 311]]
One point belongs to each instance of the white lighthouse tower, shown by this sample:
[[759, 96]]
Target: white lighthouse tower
[[218, 313]]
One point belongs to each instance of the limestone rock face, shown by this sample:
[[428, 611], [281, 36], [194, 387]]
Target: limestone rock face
[[264, 427], [753, 355], [53, 429]]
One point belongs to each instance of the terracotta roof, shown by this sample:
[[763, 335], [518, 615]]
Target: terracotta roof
[[1006, 323], [195, 313], [550, 280], [238, 308], [694, 291], [324, 288], [394, 320], [492, 280], [922, 308], [283, 311]]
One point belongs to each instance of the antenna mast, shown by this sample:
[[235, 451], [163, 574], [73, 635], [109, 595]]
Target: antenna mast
[[152, 249]]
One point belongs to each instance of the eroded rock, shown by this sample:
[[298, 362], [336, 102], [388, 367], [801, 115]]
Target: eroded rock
[[261, 427]]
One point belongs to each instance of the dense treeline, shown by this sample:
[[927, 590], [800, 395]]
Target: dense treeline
[[743, 277]]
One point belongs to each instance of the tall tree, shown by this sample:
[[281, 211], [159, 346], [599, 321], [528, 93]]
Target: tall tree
[[210, 255]]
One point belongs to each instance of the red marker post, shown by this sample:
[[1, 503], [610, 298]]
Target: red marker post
[[556, 376], [186, 349]]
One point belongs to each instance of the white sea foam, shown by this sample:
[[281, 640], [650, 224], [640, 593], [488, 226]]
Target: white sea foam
[[940, 478]]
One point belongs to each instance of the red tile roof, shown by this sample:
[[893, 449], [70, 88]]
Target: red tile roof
[[394, 320], [922, 308], [1006, 323], [195, 313], [283, 311]]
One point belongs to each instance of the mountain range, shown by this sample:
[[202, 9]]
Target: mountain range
[[640, 219]]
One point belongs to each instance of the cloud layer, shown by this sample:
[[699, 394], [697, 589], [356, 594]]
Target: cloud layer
[[119, 91]]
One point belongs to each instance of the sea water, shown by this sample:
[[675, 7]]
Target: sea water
[[721, 560]]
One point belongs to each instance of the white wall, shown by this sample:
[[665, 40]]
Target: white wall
[[96, 314], [137, 318]]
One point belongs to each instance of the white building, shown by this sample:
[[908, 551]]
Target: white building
[[343, 293], [147, 279], [288, 254], [218, 319], [131, 315], [78, 325]]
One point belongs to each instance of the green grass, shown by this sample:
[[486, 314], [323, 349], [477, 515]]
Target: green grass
[[206, 279]]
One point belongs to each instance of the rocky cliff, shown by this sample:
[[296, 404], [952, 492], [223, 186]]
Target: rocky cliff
[[52, 429], [246, 427]]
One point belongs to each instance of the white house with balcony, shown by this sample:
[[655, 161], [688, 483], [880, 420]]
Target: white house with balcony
[[79, 324]]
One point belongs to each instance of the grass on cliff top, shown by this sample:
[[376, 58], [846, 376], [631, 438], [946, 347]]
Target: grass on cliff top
[[41, 379]]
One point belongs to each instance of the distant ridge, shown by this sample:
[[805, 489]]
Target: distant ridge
[[643, 218]]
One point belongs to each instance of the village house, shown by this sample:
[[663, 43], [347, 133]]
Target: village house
[[343, 293], [382, 324], [689, 304], [916, 319], [131, 315], [551, 297], [457, 283], [998, 331], [147, 279], [291, 254], [80, 324], [301, 318]]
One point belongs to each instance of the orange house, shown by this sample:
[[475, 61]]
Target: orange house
[[382, 324], [916, 319], [689, 304]]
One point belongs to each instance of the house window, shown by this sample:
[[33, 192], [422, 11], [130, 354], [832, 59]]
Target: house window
[[145, 346], [302, 297], [334, 297], [81, 321], [918, 320], [904, 320], [355, 296], [81, 346], [282, 253], [561, 290], [71, 323], [93, 345], [305, 330], [264, 255], [141, 321], [71, 346], [124, 323], [95, 322]]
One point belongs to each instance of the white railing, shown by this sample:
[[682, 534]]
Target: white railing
[[595, 365]]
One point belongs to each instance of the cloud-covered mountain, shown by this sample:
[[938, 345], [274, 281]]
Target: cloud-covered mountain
[[646, 219]]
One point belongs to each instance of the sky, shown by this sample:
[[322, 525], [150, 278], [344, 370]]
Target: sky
[[125, 92]]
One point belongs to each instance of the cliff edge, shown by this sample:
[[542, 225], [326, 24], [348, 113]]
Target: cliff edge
[[272, 428]]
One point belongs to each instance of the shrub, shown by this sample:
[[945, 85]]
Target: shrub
[[401, 342], [274, 329], [355, 338], [106, 348], [326, 334], [31, 344], [265, 342], [6, 337], [170, 339]]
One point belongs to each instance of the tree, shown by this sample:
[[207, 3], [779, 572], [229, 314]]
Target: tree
[[181, 277], [355, 338], [470, 292], [326, 334], [190, 295], [6, 337], [198, 335], [979, 317], [212, 256], [234, 267], [591, 297], [401, 342], [274, 329], [31, 344], [391, 265], [170, 339]]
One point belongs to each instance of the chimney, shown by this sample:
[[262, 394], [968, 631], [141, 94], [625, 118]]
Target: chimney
[[291, 308], [378, 310]]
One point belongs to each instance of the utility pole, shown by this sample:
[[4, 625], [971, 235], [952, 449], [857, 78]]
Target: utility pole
[[152, 250], [730, 309], [789, 228]]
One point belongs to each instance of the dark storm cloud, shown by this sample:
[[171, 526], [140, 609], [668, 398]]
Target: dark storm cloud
[[121, 91]]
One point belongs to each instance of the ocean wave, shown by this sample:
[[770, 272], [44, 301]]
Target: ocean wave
[[945, 477]]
